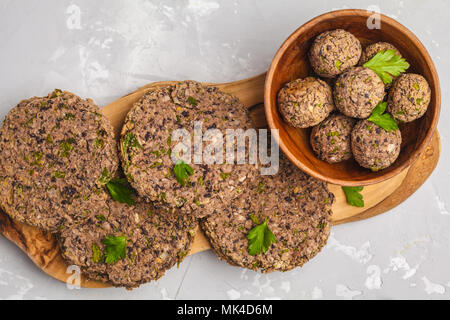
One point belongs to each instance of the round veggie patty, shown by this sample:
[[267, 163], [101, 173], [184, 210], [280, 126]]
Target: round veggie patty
[[128, 245], [296, 208], [147, 147], [56, 152]]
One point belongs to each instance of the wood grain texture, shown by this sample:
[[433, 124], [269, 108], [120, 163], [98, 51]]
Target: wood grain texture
[[291, 62], [42, 247]]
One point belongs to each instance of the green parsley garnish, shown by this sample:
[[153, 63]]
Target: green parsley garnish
[[56, 93], [59, 174], [156, 164], [225, 175], [100, 217], [254, 219], [322, 225], [182, 172], [121, 191], [130, 141], [157, 153], [383, 120], [333, 134], [37, 159], [105, 177], [192, 101], [260, 239], [69, 116], [116, 248], [99, 143], [66, 147], [354, 198], [127, 142], [30, 121], [260, 187], [97, 254], [387, 64]]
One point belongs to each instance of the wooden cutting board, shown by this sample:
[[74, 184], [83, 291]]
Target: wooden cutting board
[[44, 251]]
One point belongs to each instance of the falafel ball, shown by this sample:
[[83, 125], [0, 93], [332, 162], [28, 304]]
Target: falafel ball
[[373, 147], [409, 97], [358, 91], [333, 52], [331, 139], [371, 50], [305, 102]]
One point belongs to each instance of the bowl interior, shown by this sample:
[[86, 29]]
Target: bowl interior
[[291, 62]]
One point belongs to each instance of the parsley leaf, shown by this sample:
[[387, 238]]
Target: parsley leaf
[[59, 174], [259, 239], [182, 172], [66, 147], [383, 120], [56, 93], [105, 177], [121, 191], [129, 141], [354, 198], [387, 64], [260, 187], [192, 101], [116, 248], [225, 175], [97, 254]]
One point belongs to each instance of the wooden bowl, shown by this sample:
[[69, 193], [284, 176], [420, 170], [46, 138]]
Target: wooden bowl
[[291, 62]]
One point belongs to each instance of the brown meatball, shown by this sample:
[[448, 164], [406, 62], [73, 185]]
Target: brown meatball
[[358, 91], [409, 97], [305, 102], [373, 147], [333, 52], [331, 139]]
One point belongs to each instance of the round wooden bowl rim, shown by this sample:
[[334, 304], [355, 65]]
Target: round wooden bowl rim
[[436, 92]]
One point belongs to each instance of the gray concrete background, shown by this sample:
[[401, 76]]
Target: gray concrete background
[[105, 49]]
